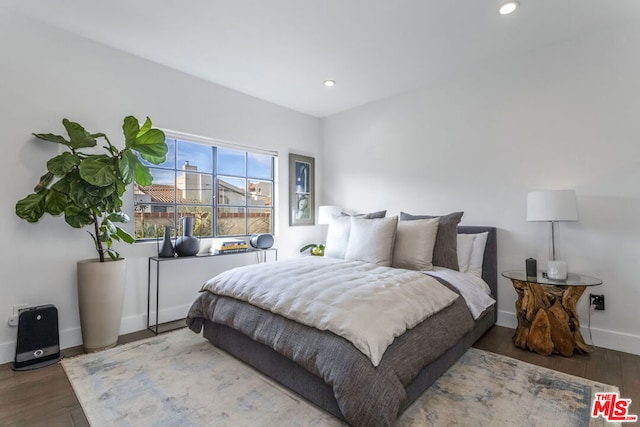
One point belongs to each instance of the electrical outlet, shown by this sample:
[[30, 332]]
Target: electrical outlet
[[13, 320], [597, 301]]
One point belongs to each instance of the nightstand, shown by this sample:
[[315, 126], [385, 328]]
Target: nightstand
[[546, 311]]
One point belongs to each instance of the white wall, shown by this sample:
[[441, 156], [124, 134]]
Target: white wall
[[47, 74], [566, 117]]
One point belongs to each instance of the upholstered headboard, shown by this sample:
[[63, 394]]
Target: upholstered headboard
[[490, 261]]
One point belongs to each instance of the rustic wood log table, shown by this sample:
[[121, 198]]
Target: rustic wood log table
[[546, 312]]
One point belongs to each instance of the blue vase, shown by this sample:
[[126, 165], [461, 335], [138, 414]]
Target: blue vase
[[187, 244]]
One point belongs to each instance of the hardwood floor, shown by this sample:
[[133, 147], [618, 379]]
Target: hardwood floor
[[602, 365], [45, 397]]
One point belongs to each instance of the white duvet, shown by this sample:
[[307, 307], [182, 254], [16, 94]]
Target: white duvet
[[366, 304]]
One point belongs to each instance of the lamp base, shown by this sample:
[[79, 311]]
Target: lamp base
[[557, 270]]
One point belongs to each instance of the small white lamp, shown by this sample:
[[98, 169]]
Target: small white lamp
[[553, 206], [324, 217], [325, 213]]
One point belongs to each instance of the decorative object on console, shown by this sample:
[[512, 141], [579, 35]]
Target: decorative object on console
[[261, 241], [553, 206], [230, 247], [187, 244], [166, 250]]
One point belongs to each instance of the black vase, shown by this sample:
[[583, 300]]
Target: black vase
[[166, 250], [187, 244]]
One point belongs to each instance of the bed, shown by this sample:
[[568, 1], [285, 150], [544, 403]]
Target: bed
[[328, 370]]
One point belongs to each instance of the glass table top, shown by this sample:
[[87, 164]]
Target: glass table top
[[573, 279]]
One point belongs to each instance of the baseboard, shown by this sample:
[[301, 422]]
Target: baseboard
[[613, 340], [73, 337]]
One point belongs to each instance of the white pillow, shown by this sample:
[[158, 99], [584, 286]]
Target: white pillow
[[477, 254], [337, 236], [465, 245], [371, 240], [415, 240]]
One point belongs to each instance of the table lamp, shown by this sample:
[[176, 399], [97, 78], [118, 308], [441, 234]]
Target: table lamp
[[325, 213], [324, 217], [553, 206]]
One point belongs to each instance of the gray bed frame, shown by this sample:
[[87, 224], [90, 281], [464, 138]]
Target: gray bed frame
[[313, 388]]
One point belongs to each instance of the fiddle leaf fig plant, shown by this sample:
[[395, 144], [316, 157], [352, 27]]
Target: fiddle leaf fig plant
[[87, 187]]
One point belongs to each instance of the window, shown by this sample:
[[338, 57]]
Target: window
[[229, 191]]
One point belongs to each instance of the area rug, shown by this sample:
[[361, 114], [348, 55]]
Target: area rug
[[180, 379]]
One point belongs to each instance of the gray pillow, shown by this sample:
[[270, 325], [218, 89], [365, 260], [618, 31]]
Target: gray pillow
[[372, 215], [445, 251], [378, 214]]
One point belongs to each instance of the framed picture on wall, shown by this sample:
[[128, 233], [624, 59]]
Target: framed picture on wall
[[302, 198]]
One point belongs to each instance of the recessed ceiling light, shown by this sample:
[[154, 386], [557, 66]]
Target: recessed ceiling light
[[509, 7], [329, 83]]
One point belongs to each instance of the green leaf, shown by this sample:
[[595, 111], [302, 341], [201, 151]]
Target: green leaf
[[146, 127], [114, 255], [120, 188], [63, 164], [55, 202], [77, 217], [52, 138], [98, 171], [44, 181], [31, 208], [143, 175], [152, 146], [118, 217], [124, 236], [108, 228], [127, 166], [106, 192], [79, 138], [130, 128], [83, 194]]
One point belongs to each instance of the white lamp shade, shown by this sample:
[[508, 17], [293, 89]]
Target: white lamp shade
[[325, 213], [552, 205]]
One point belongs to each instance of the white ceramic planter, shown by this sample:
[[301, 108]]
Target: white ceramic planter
[[100, 298]]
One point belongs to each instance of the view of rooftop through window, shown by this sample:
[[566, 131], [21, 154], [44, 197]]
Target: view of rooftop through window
[[229, 192]]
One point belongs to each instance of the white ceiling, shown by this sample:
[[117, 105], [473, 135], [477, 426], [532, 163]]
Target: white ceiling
[[282, 50]]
